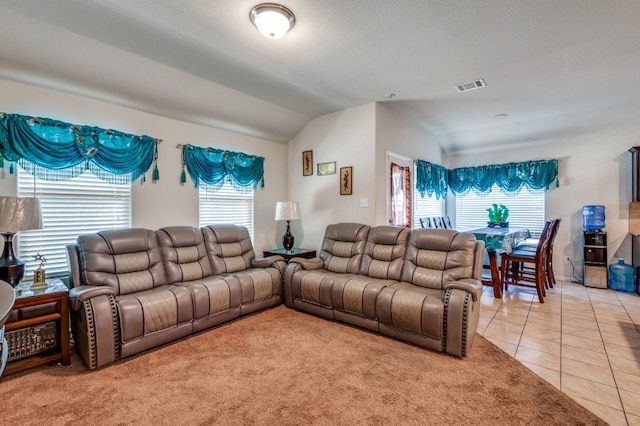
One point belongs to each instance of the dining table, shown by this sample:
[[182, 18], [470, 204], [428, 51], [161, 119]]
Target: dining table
[[497, 240]]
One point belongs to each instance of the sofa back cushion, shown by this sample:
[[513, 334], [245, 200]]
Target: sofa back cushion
[[229, 248], [384, 252], [184, 253], [128, 260], [437, 256], [343, 246]]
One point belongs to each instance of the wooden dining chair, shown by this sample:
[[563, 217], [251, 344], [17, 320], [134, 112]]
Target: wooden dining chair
[[530, 246], [425, 222], [526, 268], [446, 221]]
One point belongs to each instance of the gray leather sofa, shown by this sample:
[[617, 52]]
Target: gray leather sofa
[[422, 286], [134, 289]]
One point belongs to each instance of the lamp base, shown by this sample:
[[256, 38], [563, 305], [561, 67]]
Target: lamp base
[[11, 268], [287, 239]]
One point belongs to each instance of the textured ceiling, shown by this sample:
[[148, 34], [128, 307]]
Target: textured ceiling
[[553, 66]]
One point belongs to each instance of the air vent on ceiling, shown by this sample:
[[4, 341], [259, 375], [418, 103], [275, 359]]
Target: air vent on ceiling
[[471, 85]]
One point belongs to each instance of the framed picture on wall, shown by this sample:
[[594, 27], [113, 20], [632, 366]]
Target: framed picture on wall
[[328, 168], [307, 163], [346, 180]]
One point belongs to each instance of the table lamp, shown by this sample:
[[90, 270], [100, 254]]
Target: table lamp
[[287, 210], [16, 214]]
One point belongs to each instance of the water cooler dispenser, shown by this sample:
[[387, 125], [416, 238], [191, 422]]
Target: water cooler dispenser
[[595, 259], [595, 247]]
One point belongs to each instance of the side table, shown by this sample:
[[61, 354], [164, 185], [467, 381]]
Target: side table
[[288, 255], [37, 331]]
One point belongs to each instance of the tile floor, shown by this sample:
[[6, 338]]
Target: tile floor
[[584, 341]]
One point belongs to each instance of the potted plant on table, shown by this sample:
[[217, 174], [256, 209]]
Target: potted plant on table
[[498, 215]]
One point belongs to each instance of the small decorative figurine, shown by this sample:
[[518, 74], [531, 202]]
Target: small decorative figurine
[[39, 282]]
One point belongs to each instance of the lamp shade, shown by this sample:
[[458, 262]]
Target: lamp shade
[[287, 210], [20, 214]]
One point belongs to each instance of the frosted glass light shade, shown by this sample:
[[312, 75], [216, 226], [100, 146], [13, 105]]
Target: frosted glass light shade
[[287, 210], [272, 20]]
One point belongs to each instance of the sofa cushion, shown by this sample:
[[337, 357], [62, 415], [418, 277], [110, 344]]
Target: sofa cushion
[[152, 311], [127, 260], [214, 295], [357, 295], [343, 246], [229, 248], [184, 253], [384, 252], [417, 309], [437, 256], [259, 283]]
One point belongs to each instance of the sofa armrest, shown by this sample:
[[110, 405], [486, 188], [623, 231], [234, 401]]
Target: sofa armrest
[[265, 262], [308, 264], [470, 285], [79, 294]]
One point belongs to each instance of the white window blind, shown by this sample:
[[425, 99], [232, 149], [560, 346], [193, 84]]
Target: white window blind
[[226, 206], [84, 204], [425, 207], [526, 209]]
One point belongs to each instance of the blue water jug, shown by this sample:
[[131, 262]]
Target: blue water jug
[[593, 217], [621, 277]]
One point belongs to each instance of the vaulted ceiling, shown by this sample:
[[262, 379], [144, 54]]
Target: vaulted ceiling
[[552, 66]]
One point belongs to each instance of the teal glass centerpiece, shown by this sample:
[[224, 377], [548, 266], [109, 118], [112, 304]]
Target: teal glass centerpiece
[[498, 215]]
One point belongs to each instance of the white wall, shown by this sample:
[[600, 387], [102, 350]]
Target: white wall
[[348, 138], [358, 137], [397, 135], [166, 202], [594, 168]]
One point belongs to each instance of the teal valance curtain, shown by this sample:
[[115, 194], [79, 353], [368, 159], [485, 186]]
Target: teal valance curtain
[[510, 177], [431, 179], [54, 150], [214, 167]]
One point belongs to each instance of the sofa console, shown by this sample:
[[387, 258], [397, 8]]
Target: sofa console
[[422, 286]]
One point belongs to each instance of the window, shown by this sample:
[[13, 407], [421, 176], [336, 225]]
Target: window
[[425, 207], [400, 196], [81, 205], [226, 205], [526, 209]]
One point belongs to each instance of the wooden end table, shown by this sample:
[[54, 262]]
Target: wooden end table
[[290, 254], [40, 309]]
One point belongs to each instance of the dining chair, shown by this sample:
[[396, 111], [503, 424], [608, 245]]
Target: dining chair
[[425, 222], [446, 220], [530, 246], [437, 222], [526, 268]]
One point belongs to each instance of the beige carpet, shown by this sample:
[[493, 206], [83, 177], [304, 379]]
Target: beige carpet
[[285, 367]]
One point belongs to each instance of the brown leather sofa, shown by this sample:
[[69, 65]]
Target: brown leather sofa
[[134, 289], [422, 286]]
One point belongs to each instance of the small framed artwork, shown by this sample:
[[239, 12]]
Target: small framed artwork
[[328, 168], [346, 180], [307, 163]]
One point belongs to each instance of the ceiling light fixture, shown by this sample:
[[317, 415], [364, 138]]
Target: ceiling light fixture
[[272, 20]]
